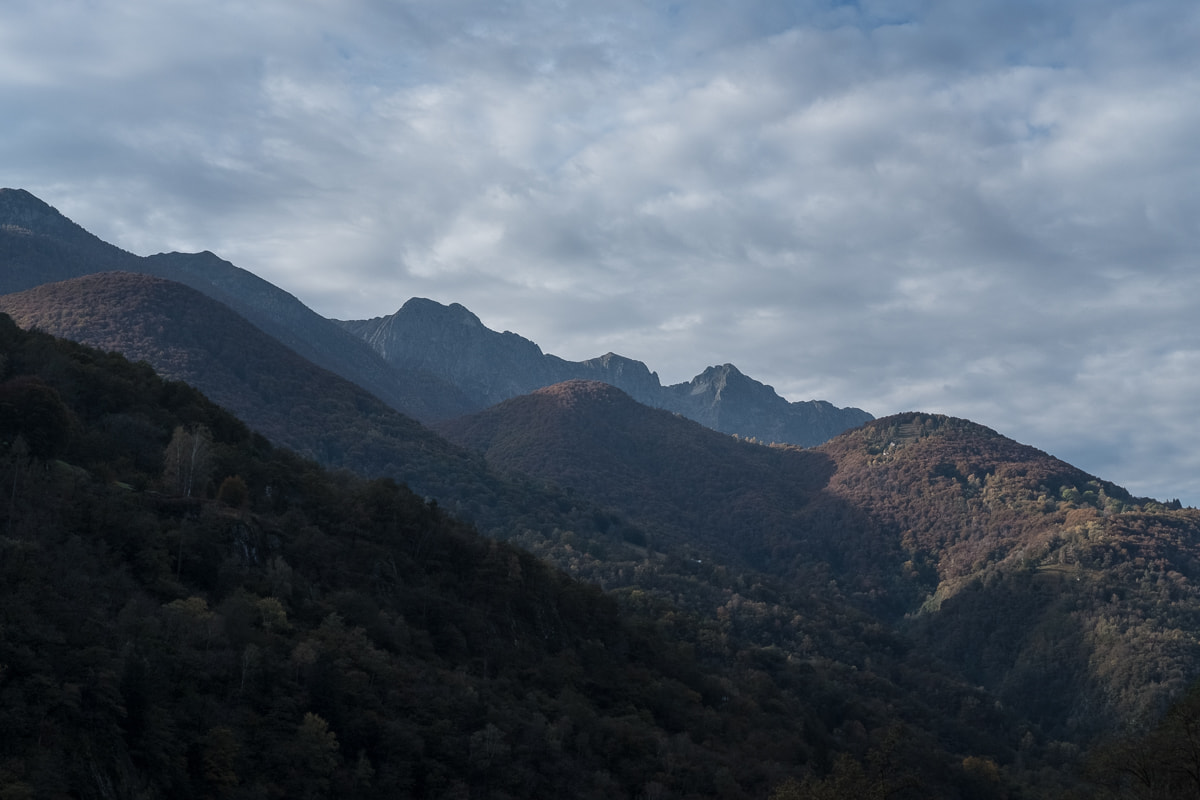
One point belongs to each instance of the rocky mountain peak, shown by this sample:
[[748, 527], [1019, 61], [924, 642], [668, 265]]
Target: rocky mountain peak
[[723, 382], [425, 311], [452, 343]]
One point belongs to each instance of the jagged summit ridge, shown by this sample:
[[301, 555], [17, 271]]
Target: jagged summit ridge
[[455, 311], [489, 367]]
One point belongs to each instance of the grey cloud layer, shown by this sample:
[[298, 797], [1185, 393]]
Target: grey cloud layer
[[986, 209]]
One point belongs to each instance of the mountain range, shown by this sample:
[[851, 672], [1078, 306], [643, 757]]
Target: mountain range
[[428, 361], [39, 245], [451, 343], [1003, 613]]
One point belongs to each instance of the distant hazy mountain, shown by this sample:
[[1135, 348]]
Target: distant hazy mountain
[[724, 399], [452, 343], [39, 245], [488, 367]]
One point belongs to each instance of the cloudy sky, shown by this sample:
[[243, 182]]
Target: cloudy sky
[[987, 209]]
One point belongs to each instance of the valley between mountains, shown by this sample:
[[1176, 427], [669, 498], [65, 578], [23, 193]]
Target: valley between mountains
[[419, 557]]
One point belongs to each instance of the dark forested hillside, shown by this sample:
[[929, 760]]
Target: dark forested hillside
[[186, 611], [687, 483], [279, 632], [190, 337]]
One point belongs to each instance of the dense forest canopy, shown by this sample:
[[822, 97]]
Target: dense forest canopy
[[263, 628], [919, 608]]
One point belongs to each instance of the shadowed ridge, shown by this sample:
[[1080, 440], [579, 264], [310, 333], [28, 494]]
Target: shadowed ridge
[[416, 393], [669, 473], [39, 245], [188, 336], [25, 214], [428, 360]]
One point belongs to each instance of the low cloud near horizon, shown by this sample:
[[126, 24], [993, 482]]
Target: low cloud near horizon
[[981, 209]]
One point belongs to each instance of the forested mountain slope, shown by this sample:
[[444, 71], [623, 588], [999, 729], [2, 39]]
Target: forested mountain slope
[[1072, 600], [186, 611], [1054, 588], [918, 577], [190, 337], [187, 336], [724, 497]]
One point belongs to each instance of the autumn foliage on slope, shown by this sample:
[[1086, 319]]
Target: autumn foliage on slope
[[1067, 597], [1061, 592]]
